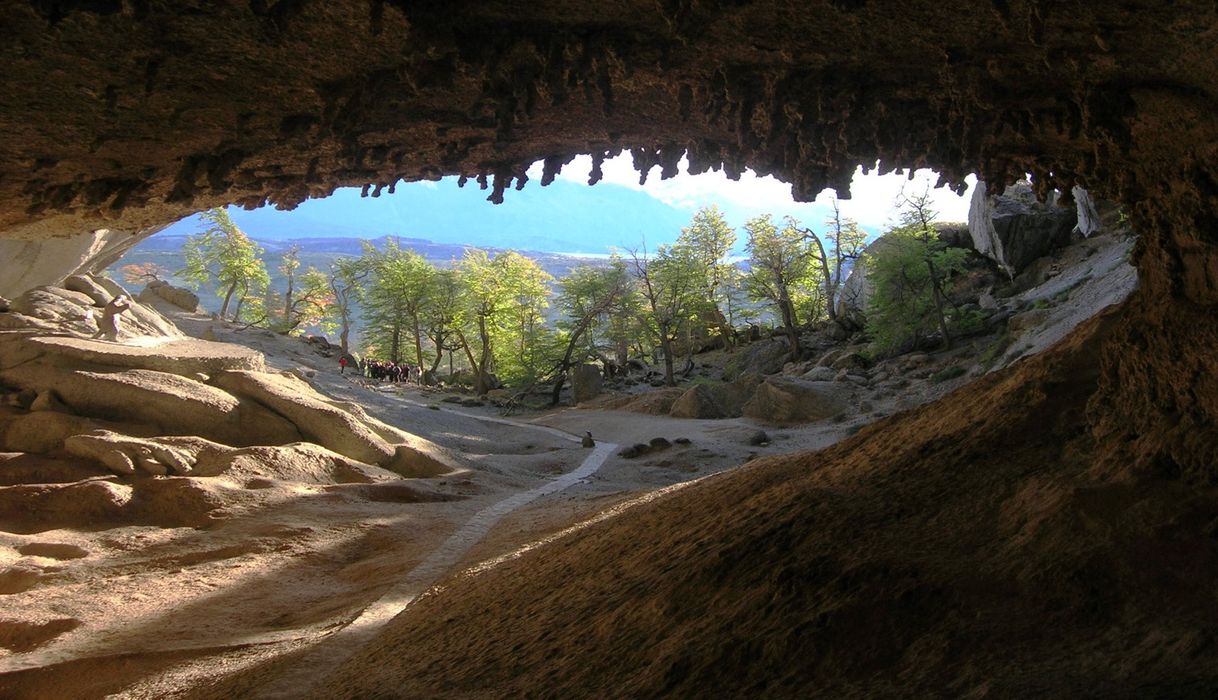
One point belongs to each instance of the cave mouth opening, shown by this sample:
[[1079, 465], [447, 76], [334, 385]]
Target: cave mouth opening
[[562, 222]]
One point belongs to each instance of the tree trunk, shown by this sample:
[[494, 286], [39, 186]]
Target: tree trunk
[[937, 295], [481, 381], [227, 298], [666, 350], [788, 323], [418, 340], [287, 306], [565, 364], [435, 366], [473, 364], [830, 287]]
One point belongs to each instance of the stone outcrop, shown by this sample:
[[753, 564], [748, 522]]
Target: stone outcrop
[[586, 382], [54, 256], [183, 299], [74, 308], [173, 404], [698, 401], [763, 357], [716, 400], [318, 421], [787, 401], [1013, 229]]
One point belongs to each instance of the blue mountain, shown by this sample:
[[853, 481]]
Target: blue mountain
[[565, 217]]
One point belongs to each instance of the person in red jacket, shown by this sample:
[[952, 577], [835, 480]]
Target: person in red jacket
[[342, 364]]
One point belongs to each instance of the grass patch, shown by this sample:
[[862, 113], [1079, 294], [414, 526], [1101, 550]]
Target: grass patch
[[947, 373], [991, 354]]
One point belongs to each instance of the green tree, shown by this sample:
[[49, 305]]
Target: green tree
[[908, 278], [669, 284], [347, 277], [307, 298], [500, 306], [398, 286], [706, 244], [587, 296], [440, 316], [223, 257], [780, 271], [845, 244]]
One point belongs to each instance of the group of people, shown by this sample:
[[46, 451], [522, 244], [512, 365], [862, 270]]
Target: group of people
[[385, 370]]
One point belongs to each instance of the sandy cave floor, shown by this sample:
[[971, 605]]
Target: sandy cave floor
[[141, 611]]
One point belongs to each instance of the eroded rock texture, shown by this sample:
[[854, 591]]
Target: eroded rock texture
[[126, 114]]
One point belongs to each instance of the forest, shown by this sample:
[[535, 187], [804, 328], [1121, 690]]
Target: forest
[[493, 320]]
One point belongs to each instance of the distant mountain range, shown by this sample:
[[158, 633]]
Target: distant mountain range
[[165, 250], [565, 217]]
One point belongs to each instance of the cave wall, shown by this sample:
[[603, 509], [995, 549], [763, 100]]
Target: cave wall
[[127, 114], [136, 113]]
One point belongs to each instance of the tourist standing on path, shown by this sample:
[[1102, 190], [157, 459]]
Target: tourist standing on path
[[342, 364], [109, 323]]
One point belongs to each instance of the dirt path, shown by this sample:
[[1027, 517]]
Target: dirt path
[[330, 653]]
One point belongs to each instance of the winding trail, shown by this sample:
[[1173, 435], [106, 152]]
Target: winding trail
[[326, 656]]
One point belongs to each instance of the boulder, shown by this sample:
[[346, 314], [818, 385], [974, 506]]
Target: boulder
[[317, 420], [416, 457], [33, 508], [716, 400], [820, 374], [173, 404], [1087, 212], [586, 382], [56, 309], [699, 401], [789, 401], [655, 403], [849, 360], [300, 462], [125, 455], [1013, 229], [27, 468], [183, 299], [43, 431], [855, 292], [764, 357], [90, 288], [185, 357]]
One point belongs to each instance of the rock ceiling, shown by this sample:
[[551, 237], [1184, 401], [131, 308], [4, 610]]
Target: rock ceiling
[[130, 114]]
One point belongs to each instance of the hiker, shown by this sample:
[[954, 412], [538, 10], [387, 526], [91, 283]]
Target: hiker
[[342, 364], [109, 323]]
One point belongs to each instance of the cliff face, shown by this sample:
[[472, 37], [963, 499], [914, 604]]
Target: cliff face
[[125, 114]]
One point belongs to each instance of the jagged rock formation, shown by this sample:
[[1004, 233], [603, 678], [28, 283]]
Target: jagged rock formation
[[1076, 521], [1013, 229]]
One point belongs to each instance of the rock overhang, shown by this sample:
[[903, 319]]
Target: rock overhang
[[128, 115]]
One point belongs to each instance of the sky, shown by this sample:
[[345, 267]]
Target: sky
[[873, 200], [570, 217]]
